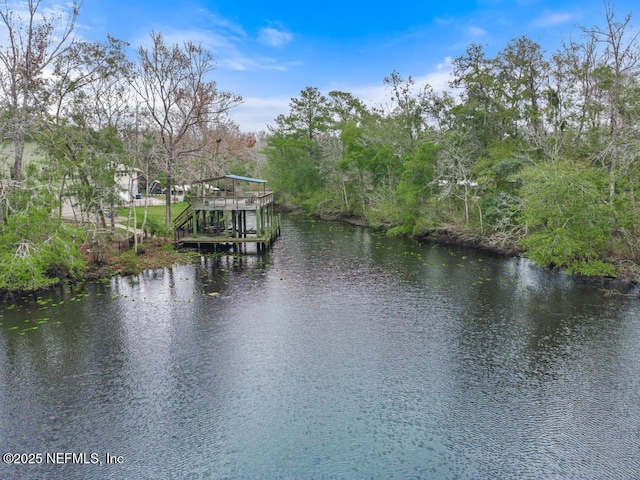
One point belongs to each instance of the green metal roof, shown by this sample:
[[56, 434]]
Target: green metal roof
[[232, 177], [246, 179]]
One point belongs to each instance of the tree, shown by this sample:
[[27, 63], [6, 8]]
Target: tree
[[309, 115], [292, 171], [172, 85], [568, 216], [620, 58], [345, 112], [90, 83], [84, 163], [34, 40], [409, 109], [480, 111], [355, 165], [37, 251], [89, 98], [502, 96], [345, 108], [454, 167], [521, 71], [308, 119], [416, 185], [294, 147]]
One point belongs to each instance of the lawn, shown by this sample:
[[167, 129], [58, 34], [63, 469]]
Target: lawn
[[155, 213]]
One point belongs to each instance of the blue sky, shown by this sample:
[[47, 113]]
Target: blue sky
[[269, 51]]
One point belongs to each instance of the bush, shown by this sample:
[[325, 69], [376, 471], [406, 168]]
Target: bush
[[593, 267], [154, 227], [37, 251], [400, 231], [567, 210]]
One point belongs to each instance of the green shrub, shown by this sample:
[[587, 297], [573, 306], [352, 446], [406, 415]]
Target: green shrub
[[37, 251], [400, 231], [593, 267], [154, 227], [569, 217]]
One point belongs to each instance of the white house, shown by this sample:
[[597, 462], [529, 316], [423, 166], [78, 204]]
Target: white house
[[127, 182]]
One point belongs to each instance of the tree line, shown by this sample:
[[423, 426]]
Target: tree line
[[524, 150], [73, 113]]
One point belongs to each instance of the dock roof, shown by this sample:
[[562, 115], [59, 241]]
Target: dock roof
[[232, 177]]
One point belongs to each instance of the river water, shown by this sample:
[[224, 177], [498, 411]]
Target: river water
[[341, 354]]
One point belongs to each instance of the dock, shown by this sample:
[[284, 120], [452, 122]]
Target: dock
[[228, 212]]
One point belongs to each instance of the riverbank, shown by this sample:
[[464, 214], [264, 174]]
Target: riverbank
[[116, 260], [441, 236], [159, 252], [627, 271], [153, 253]]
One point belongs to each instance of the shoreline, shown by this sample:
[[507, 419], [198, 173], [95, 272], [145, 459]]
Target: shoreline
[[628, 277], [161, 253], [154, 253]]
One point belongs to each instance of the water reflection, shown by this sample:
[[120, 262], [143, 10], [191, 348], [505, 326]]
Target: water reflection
[[340, 354]]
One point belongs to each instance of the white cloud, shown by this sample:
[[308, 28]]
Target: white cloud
[[272, 37], [443, 21], [232, 48], [477, 31], [225, 48], [240, 62], [223, 24], [255, 113], [213, 41], [550, 19], [445, 64], [439, 78], [377, 95]]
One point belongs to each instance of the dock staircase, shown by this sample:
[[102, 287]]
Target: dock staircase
[[183, 218]]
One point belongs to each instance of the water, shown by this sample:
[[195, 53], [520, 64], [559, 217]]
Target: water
[[342, 354]]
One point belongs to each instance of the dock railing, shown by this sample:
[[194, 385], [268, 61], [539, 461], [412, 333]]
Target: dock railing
[[224, 201]]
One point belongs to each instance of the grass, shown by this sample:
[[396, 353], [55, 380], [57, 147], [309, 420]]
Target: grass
[[155, 213]]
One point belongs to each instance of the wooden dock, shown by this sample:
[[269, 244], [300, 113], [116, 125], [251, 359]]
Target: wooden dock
[[229, 239], [228, 213]]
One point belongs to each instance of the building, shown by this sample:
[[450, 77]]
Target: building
[[128, 182]]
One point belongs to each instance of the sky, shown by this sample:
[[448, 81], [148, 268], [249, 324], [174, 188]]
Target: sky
[[269, 51]]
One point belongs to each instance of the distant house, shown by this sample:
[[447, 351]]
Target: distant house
[[462, 183], [128, 182]]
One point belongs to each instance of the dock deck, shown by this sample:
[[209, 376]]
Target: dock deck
[[215, 240], [229, 217]]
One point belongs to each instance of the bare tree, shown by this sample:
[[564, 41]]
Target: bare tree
[[87, 98], [172, 84], [90, 81], [621, 57], [34, 38], [454, 171]]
